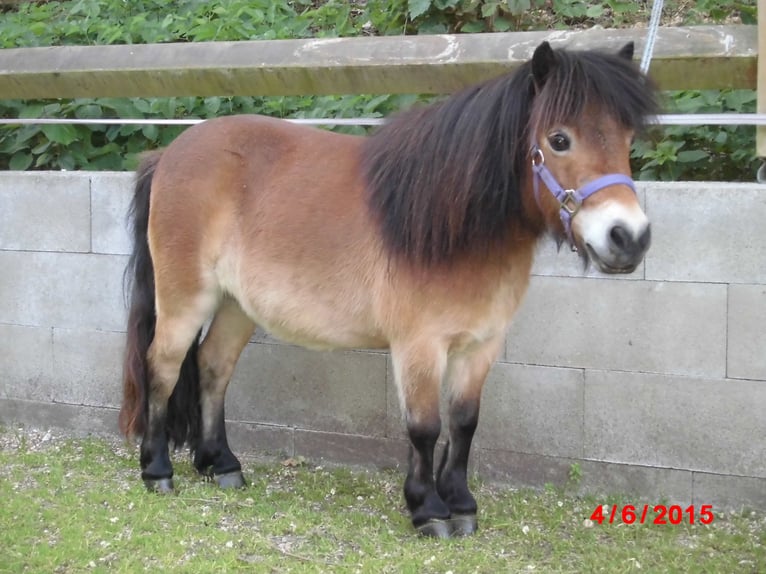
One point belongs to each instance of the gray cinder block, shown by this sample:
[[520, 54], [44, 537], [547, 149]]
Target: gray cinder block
[[26, 362], [88, 367], [533, 410], [622, 325], [111, 194], [342, 391], [707, 232], [747, 336], [696, 424], [44, 211], [71, 290]]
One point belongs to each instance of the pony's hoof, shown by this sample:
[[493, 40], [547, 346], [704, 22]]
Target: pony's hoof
[[230, 480], [463, 524], [435, 528], [159, 485]]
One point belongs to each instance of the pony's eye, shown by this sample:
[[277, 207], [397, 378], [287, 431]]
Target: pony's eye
[[559, 141]]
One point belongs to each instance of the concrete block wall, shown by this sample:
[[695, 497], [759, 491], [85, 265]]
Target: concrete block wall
[[654, 383]]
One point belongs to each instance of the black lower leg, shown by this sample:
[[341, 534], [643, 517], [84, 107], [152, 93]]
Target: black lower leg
[[452, 481], [419, 489], [213, 455], [155, 457]]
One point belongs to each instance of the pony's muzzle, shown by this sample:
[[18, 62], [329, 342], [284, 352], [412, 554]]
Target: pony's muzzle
[[622, 240], [625, 249]]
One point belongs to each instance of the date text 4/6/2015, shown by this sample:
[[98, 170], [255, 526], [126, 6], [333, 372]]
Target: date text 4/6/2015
[[658, 514]]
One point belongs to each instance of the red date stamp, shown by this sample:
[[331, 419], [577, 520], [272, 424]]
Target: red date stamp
[[657, 514]]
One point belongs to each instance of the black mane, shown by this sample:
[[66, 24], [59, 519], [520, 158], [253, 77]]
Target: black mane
[[446, 179]]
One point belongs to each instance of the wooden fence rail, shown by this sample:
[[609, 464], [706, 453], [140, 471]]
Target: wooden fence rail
[[685, 58]]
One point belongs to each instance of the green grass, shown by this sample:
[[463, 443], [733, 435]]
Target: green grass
[[79, 506]]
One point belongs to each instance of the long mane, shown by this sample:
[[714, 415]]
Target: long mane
[[446, 179]]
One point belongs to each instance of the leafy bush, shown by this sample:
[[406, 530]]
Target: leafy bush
[[680, 152], [725, 153]]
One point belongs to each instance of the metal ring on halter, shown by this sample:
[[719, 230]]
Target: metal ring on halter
[[537, 153], [570, 202]]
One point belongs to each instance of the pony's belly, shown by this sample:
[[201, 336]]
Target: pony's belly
[[312, 336], [311, 321]]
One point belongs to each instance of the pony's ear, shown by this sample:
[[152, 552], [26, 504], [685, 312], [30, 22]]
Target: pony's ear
[[543, 61], [627, 51]]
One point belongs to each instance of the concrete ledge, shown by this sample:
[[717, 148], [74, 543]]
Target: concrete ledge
[[250, 439], [351, 449], [79, 420], [729, 492], [640, 483]]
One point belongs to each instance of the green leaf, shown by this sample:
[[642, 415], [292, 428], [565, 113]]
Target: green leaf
[[142, 105], [212, 105], [150, 132], [41, 147], [594, 11], [489, 9], [31, 110], [688, 156], [418, 7], [89, 111], [501, 24], [60, 133], [20, 161], [518, 7], [473, 27]]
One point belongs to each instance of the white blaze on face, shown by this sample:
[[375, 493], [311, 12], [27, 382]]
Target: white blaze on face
[[594, 227]]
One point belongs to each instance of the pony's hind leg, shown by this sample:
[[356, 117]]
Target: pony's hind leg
[[466, 375], [173, 337], [228, 334], [418, 371]]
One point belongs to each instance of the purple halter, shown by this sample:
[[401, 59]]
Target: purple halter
[[570, 200]]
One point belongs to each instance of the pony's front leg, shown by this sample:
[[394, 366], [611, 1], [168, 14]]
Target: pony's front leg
[[418, 372], [466, 375]]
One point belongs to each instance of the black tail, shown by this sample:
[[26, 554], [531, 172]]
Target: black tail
[[183, 415]]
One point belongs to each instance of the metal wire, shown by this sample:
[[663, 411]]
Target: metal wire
[[179, 122], [662, 119]]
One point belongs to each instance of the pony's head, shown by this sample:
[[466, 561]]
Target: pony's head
[[586, 108]]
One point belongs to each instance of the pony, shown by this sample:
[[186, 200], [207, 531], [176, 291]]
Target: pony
[[418, 238]]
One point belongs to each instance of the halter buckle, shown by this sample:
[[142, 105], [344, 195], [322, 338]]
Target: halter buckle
[[570, 202]]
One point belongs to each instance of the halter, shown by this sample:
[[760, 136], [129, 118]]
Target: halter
[[570, 200]]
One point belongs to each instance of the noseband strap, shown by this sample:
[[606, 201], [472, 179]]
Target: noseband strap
[[570, 200]]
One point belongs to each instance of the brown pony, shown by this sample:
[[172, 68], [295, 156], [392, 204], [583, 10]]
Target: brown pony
[[419, 239]]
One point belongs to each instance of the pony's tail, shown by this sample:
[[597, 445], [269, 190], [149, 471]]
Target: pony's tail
[[183, 415]]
